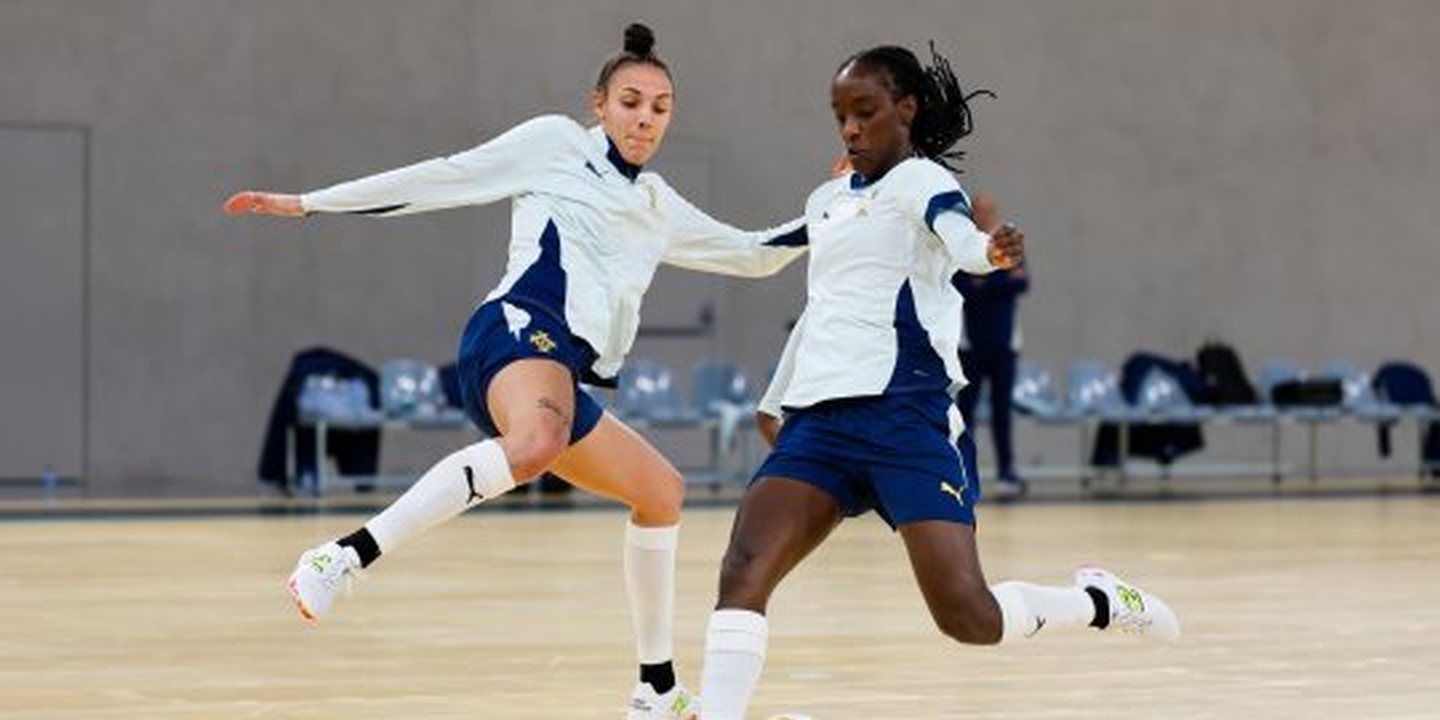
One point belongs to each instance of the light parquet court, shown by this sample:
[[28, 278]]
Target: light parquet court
[[1292, 609]]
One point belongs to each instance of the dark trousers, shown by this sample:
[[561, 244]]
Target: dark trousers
[[996, 368]]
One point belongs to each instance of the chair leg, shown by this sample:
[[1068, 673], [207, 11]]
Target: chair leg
[[1275, 474], [1314, 459], [1425, 468], [320, 432], [291, 462], [1123, 475]]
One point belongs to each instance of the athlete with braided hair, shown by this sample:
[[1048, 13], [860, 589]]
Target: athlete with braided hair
[[866, 386], [588, 230]]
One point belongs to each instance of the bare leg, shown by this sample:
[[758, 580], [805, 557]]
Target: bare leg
[[779, 523], [616, 462], [532, 402], [947, 568]]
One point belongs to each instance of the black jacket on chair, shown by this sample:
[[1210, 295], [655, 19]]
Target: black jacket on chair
[[1404, 383], [1162, 442], [356, 452]]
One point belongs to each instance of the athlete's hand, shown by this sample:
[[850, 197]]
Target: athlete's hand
[[769, 427], [264, 203], [841, 167], [1007, 247]]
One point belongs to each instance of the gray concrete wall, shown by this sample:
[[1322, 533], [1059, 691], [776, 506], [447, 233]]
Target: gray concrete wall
[[1262, 171]]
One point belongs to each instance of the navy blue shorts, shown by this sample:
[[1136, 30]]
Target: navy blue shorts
[[501, 332], [890, 454]]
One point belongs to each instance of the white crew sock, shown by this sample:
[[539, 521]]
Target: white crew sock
[[734, 655], [650, 586], [1027, 609], [466, 478]]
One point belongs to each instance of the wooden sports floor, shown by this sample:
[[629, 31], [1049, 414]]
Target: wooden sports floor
[[1293, 608]]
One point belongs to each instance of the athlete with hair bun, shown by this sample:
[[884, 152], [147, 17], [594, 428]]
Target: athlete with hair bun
[[588, 229]]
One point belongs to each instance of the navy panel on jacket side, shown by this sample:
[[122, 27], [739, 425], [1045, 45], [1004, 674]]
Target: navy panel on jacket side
[[917, 366], [542, 286]]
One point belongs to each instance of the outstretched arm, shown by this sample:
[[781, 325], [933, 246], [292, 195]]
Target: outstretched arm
[[504, 166], [977, 252], [700, 242], [971, 230]]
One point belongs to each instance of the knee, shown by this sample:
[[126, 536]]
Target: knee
[[743, 584], [971, 620], [532, 453], [658, 499]]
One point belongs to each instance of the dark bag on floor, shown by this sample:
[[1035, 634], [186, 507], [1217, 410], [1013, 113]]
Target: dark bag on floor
[[1311, 392]]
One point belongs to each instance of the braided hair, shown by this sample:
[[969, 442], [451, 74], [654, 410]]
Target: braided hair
[[639, 49], [942, 113]]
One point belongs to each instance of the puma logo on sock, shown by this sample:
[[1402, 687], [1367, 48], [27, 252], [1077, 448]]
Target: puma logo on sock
[[470, 480], [1039, 625]]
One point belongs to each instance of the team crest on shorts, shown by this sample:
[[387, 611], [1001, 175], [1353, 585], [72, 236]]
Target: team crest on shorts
[[542, 342]]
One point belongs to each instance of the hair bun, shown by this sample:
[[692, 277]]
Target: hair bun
[[639, 40]]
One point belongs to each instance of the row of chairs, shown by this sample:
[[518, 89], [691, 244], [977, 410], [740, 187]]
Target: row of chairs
[[1093, 395], [414, 395], [721, 402], [1093, 391], [649, 394]]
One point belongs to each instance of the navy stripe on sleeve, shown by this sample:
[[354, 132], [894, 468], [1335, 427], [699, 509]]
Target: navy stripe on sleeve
[[953, 200], [380, 210], [799, 237]]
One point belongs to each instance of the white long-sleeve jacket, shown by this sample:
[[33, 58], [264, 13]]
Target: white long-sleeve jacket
[[881, 316], [588, 229]]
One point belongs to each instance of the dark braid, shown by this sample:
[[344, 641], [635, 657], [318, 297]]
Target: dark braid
[[942, 113], [639, 49]]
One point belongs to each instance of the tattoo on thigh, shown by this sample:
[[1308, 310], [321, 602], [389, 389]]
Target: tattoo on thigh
[[554, 407]]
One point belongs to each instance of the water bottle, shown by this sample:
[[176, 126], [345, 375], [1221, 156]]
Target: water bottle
[[49, 481]]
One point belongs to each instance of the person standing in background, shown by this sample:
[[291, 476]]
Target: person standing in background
[[990, 350]]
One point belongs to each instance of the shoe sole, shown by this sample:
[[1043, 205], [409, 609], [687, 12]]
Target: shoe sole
[[300, 604], [688, 716]]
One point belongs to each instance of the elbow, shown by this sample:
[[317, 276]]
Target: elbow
[[754, 269], [772, 266]]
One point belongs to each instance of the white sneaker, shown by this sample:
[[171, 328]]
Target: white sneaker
[[678, 704], [1009, 489], [1132, 610], [319, 576]]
